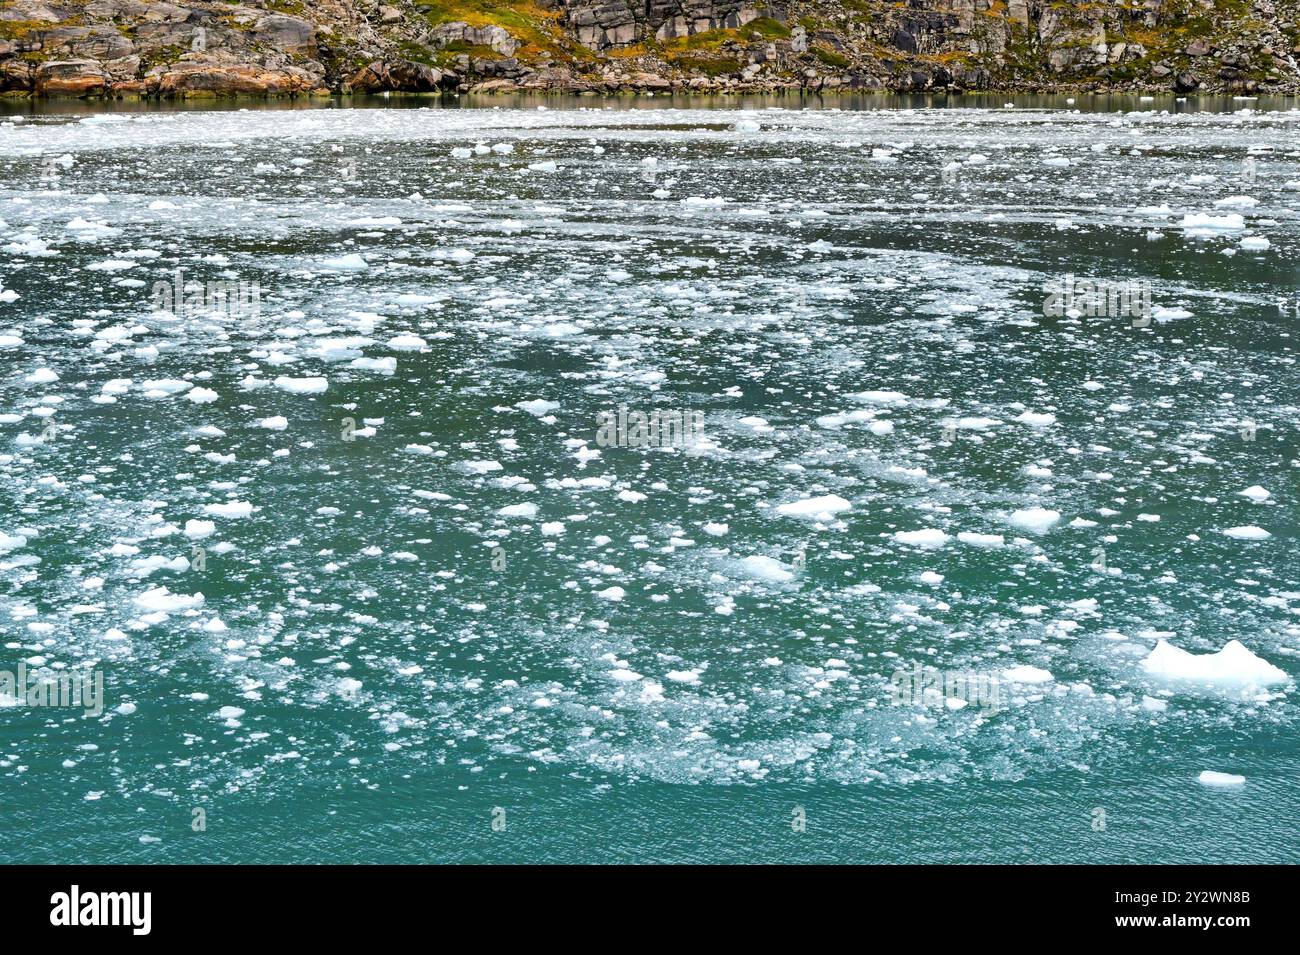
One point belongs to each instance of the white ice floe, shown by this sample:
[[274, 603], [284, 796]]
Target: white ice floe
[[1036, 419], [766, 568], [1249, 532], [820, 508], [197, 530], [353, 262], [302, 386], [518, 510], [1199, 224], [1211, 778], [538, 406], [1036, 520], [406, 343], [234, 509], [1234, 665], [160, 599], [1255, 493], [929, 537], [1027, 674]]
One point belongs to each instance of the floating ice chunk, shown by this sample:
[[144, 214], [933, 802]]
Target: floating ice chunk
[[747, 126], [538, 406], [11, 542], [552, 528], [196, 530], [1255, 493], [232, 509], [302, 386], [546, 165], [519, 510], [612, 593], [274, 423], [42, 376], [1037, 520], [162, 600], [1237, 202], [1255, 243], [981, 540], [765, 568], [480, 467], [385, 366], [929, 537], [352, 262], [1198, 223], [406, 343], [881, 397], [1056, 161], [1211, 778], [1027, 674], [819, 508], [202, 396], [715, 530], [1036, 419], [1233, 665], [164, 387], [1247, 533]]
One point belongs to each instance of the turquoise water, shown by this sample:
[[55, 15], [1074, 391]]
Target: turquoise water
[[430, 599]]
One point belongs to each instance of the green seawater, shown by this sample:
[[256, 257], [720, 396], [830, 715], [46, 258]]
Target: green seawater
[[430, 616]]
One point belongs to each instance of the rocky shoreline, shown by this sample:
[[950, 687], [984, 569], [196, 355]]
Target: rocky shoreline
[[136, 49]]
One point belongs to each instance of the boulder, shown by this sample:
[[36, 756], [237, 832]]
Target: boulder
[[15, 77], [208, 79], [286, 33], [71, 78], [404, 76]]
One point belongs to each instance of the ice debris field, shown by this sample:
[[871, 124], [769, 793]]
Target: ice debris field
[[366, 527]]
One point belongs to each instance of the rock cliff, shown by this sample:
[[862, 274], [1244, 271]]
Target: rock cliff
[[197, 48]]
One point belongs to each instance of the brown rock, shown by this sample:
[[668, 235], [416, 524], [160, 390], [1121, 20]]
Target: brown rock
[[201, 79], [402, 76], [71, 78], [15, 77]]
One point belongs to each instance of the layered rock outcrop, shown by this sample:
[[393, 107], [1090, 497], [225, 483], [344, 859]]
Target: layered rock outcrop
[[201, 48]]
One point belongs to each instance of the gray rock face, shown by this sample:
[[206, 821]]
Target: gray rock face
[[615, 23], [403, 75], [286, 33], [495, 37]]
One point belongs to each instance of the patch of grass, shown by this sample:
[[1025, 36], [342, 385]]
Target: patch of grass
[[829, 57], [537, 29], [712, 65], [769, 29]]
